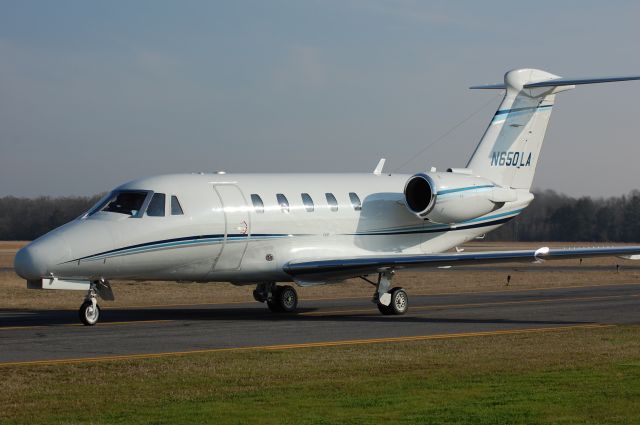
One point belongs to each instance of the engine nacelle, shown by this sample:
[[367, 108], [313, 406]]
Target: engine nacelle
[[448, 198]]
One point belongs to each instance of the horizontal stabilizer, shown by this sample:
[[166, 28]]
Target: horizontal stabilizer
[[499, 86], [577, 81], [556, 82]]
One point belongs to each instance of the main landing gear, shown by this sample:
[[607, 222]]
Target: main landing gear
[[394, 301], [279, 299], [90, 310]]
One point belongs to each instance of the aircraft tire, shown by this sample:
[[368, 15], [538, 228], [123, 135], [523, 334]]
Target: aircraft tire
[[287, 299], [89, 316], [399, 301], [384, 309]]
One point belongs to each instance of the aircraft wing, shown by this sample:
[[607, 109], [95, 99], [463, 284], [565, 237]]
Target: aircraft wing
[[344, 268]]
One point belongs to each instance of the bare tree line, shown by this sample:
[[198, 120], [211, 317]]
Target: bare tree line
[[551, 217], [555, 217], [24, 219]]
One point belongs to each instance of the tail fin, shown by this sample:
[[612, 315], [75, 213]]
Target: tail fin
[[509, 149]]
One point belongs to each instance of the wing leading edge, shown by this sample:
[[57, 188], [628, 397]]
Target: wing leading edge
[[344, 268]]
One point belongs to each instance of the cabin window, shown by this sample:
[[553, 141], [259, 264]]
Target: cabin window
[[355, 201], [332, 202], [308, 202], [124, 202], [176, 209], [156, 206], [258, 205], [283, 202]]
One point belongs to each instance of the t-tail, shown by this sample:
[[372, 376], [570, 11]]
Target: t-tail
[[510, 147]]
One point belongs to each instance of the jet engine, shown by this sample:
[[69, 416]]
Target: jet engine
[[453, 197]]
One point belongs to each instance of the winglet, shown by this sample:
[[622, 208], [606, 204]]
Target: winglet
[[379, 167], [630, 257], [540, 252]]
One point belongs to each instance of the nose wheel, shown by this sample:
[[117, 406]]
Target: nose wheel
[[89, 312]]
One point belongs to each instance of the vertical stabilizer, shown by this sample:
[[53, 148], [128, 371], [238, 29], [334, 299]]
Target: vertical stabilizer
[[509, 149]]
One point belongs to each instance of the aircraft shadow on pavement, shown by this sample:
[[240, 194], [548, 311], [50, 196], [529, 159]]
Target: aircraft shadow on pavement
[[15, 318]]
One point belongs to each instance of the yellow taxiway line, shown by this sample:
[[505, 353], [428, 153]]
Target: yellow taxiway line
[[303, 345]]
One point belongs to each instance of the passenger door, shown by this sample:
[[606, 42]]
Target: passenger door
[[237, 225]]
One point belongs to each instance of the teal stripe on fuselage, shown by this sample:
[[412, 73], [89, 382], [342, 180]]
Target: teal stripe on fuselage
[[464, 189], [196, 241], [155, 247], [160, 245], [510, 113], [435, 227], [475, 220]]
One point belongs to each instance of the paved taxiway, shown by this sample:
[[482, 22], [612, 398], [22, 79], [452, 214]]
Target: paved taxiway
[[46, 335]]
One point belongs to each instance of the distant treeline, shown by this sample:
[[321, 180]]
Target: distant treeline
[[24, 219], [555, 217], [550, 217]]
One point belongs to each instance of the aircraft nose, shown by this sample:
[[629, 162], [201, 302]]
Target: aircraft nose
[[40, 257], [29, 263]]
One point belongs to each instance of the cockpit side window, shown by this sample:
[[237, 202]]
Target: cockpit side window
[[156, 206], [176, 208], [123, 202]]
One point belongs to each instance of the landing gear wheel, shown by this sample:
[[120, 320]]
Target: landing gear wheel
[[288, 299], [89, 314], [283, 300], [399, 303]]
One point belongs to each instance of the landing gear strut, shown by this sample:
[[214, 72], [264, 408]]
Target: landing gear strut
[[279, 299], [393, 301]]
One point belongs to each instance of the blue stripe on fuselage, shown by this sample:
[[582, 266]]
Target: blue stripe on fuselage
[[463, 189], [218, 238], [529, 108]]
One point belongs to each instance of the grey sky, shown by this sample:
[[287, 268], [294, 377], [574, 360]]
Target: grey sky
[[93, 94]]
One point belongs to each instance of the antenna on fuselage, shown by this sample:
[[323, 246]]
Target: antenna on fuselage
[[379, 167]]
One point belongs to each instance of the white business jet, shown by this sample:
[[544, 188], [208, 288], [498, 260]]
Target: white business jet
[[311, 229]]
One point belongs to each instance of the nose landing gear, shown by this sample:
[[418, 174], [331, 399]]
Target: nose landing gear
[[90, 310]]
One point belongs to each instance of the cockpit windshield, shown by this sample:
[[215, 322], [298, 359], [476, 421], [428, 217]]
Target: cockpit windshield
[[128, 202]]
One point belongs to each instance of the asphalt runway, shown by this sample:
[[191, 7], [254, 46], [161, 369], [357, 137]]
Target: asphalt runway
[[55, 336]]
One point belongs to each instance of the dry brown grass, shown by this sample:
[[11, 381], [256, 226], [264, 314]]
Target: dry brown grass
[[13, 292]]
